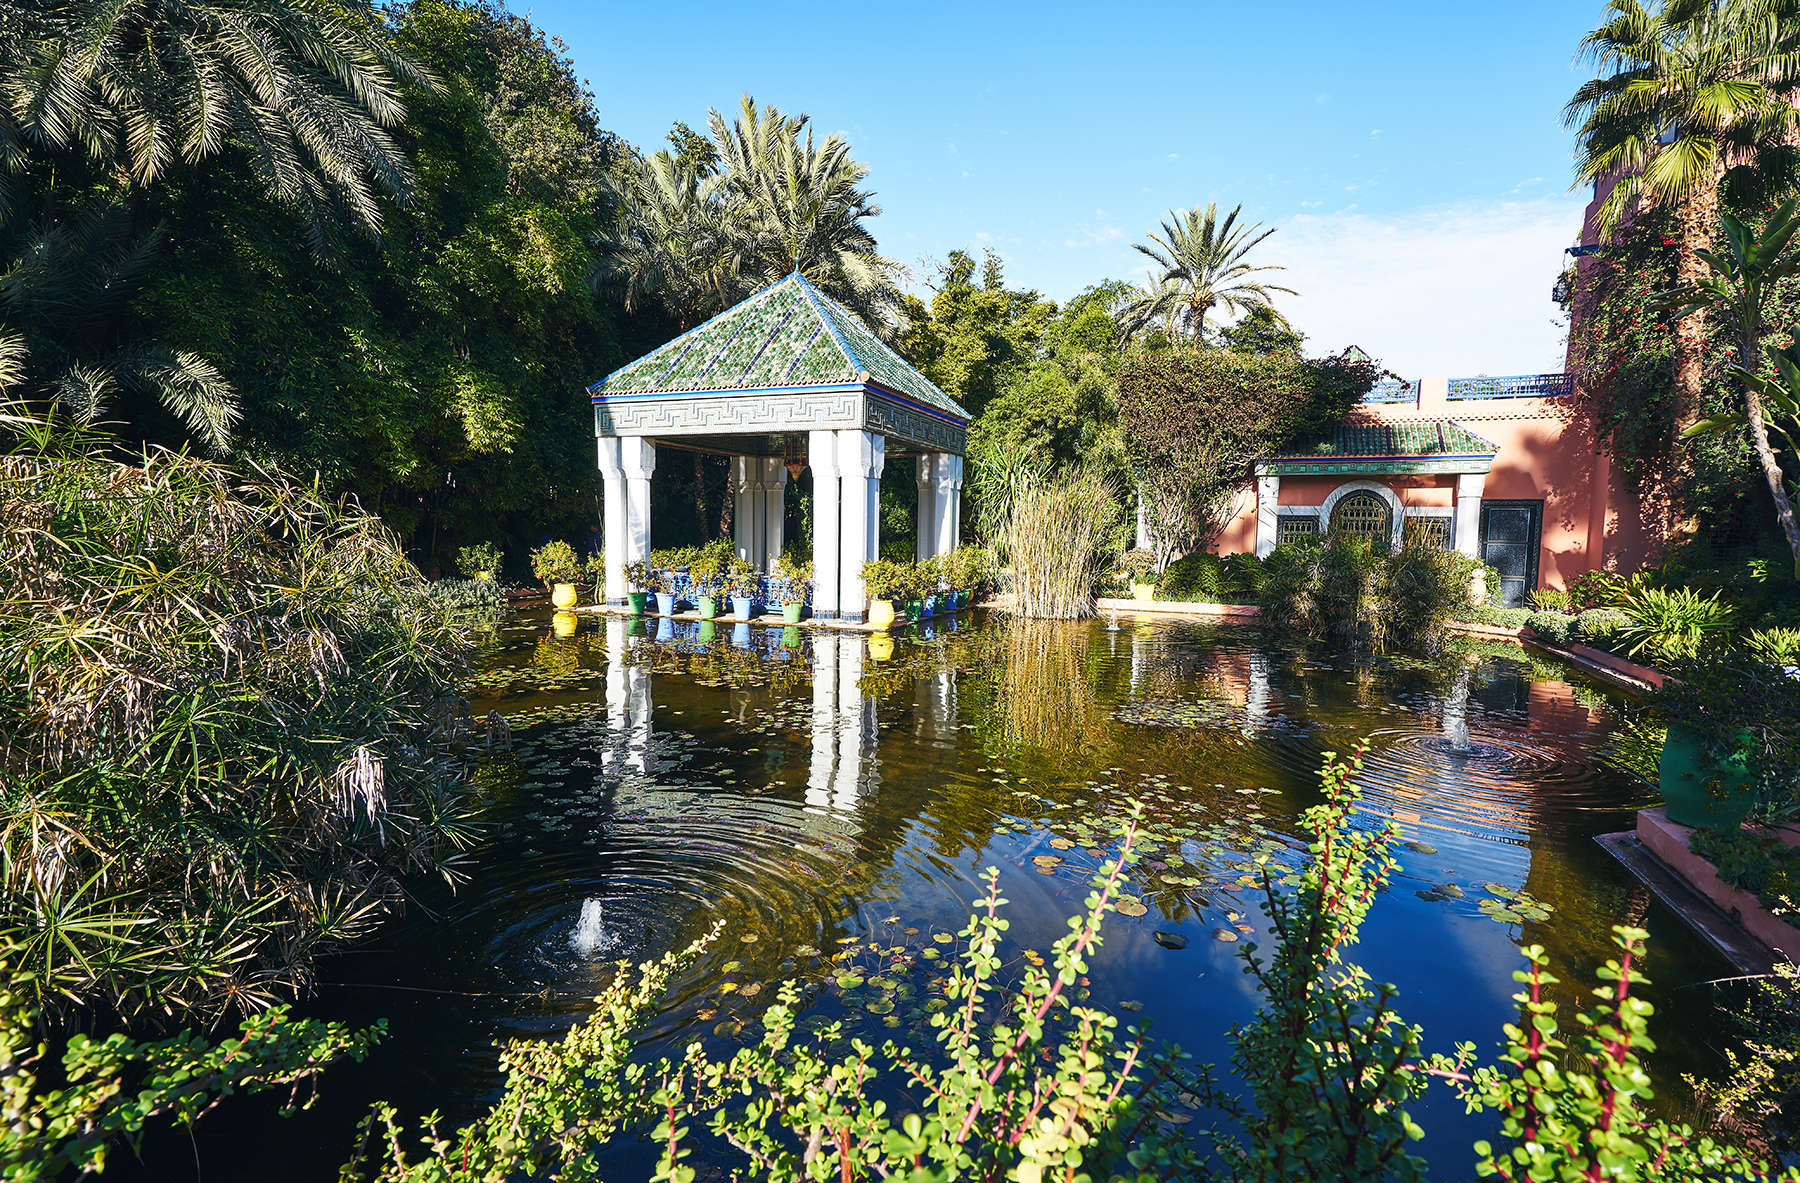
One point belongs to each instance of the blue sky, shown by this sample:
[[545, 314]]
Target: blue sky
[[1412, 155]]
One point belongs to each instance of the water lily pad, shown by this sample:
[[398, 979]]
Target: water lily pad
[[879, 983], [731, 967], [1224, 934], [1131, 907], [849, 981], [1450, 890], [1061, 843], [911, 932], [750, 989], [728, 1028], [878, 1006], [1433, 896], [727, 987], [1499, 889], [934, 1005], [1046, 860], [1131, 1004], [942, 938], [1421, 848], [807, 951], [748, 938], [931, 955], [1170, 940]]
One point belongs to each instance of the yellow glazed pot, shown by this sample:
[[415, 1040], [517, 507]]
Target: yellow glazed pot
[[1143, 591], [484, 576], [565, 596], [566, 624], [881, 646], [881, 613]]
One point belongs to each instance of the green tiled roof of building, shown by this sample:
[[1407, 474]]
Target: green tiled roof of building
[[788, 335], [1430, 437]]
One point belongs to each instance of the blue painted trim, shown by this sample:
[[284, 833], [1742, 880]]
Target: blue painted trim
[[764, 348], [800, 356], [843, 343]]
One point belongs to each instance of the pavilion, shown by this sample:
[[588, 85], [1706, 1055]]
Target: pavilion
[[788, 379]]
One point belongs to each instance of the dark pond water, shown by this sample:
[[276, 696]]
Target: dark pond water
[[813, 794]]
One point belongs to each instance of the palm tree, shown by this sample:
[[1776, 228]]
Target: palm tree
[[1203, 268], [1693, 91], [136, 86], [801, 209], [675, 244]]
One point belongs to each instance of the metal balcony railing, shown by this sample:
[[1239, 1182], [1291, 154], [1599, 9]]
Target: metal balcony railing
[[1516, 386], [1392, 392]]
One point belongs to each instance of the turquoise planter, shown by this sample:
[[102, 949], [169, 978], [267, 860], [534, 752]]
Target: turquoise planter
[[636, 600], [1698, 790]]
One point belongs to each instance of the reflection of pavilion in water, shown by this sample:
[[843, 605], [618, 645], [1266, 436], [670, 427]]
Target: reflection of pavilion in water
[[842, 768]]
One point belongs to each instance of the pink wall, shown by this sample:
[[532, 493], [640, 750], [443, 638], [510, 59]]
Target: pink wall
[[1545, 452]]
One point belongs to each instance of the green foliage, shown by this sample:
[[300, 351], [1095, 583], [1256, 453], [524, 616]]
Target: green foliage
[[642, 576], [1760, 864], [1346, 589], [1546, 600], [708, 565], [1494, 615], [1556, 627], [1762, 1088], [976, 336], [1197, 421], [1061, 540], [1600, 627], [555, 562], [482, 559], [1201, 266], [232, 726], [466, 595], [1137, 563], [1667, 624], [114, 1087], [969, 568], [1576, 1108], [884, 579], [1732, 702], [1777, 646], [740, 578], [1592, 589], [1206, 577]]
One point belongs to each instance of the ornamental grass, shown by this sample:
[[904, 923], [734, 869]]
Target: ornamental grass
[[228, 726], [1061, 539]]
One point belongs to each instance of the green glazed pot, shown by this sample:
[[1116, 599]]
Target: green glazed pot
[[1701, 791], [636, 600], [708, 606], [790, 612], [915, 608]]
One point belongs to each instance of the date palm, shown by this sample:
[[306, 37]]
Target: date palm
[[675, 244], [1691, 92], [306, 89], [1202, 268]]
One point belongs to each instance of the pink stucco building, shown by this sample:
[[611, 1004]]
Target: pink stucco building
[[1505, 469]]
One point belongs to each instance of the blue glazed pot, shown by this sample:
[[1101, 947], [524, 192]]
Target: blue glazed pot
[[665, 603], [740, 607]]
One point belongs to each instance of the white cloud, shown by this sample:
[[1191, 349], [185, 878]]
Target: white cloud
[[1322, 98], [1375, 133], [1311, 204], [1174, 156], [1443, 292]]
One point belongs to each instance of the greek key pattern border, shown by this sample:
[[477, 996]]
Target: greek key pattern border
[[924, 431], [772, 414]]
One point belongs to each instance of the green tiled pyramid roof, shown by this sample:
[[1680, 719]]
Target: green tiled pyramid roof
[[1430, 437], [788, 335]]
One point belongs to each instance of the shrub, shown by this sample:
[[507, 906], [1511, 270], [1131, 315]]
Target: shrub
[[1670, 623], [970, 568], [1138, 563], [1550, 601], [1349, 590], [1777, 646], [482, 558], [1599, 627], [1732, 703], [641, 576], [462, 595], [884, 579], [708, 565], [555, 562], [231, 724], [1242, 574], [1191, 577], [1554, 627]]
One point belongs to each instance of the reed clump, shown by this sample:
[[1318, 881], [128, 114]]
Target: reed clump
[[228, 726], [1062, 538], [1346, 589]]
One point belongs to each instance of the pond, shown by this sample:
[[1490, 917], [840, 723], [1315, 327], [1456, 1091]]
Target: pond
[[815, 791]]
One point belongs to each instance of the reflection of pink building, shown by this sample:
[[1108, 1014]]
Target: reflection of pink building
[[1505, 469]]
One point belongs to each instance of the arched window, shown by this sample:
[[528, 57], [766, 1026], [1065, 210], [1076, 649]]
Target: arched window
[[1364, 514]]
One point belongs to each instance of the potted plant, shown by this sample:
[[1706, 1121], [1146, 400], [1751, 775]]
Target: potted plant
[[882, 580], [795, 578], [662, 578], [931, 572], [1140, 565], [740, 580], [705, 573], [1731, 748], [637, 575], [969, 566], [481, 561], [554, 565], [912, 589]]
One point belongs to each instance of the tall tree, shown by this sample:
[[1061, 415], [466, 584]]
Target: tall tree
[[1691, 92], [977, 335], [1203, 267]]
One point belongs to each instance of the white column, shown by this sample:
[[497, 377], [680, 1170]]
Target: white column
[[746, 508], [1465, 535], [1143, 529], [821, 455], [1268, 494], [949, 501], [861, 456], [774, 509], [638, 458], [852, 729], [613, 518], [824, 718], [928, 510]]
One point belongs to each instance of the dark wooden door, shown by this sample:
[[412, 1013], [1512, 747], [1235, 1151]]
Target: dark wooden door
[[1510, 532]]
